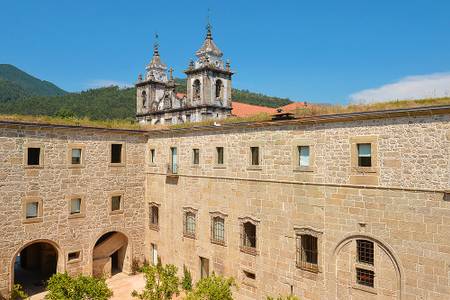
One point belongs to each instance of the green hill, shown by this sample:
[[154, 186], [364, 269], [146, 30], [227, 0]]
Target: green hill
[[24, 94], [16, 82]]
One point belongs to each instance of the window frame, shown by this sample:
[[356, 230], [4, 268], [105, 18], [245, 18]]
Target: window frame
[[194, 164], [301, 264], [354, 157], [296, 155], [41, 155], [70, 147], [216, 157], [213, 216], [74, 260], [189, 211], [244, 248], [152, 225], [122, 155], [122, 200], [250, 165], [82, 212], [39, 217]]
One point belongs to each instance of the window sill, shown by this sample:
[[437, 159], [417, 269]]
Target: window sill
[[310, 268], [219, 167], [220, 243], [32, 220], [116, 212], [363, 170], [189, 236], [174, 175], [249, 250], [34, 166], [364, 288], [303, 169], [154, 227], [117, 165], [74, 261], [152, 165], [74, 166], [195, 166], [76, 216], [254, 168]]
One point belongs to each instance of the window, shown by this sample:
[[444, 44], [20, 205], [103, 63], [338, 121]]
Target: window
[[204, 267], [152, 156], [307, 251], [76, 156], [144, 99], [365, 277], [249, 237], [365, 251], [219, 86], [254, 156], [116, 153], [154, 216], [250, 275], [189, 224], [33, 156], [196, 89], [75, 206], [173, 167], [364, 155], [116, 204], [74, 255], [303, 154], [154, 254], [196, 156], [32, 210], [220, 159], [218, 230]]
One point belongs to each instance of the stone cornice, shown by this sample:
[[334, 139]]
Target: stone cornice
[[207, 68], [186, 108]]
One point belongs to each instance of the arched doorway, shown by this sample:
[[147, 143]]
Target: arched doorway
[[34, 264], [110, 255]]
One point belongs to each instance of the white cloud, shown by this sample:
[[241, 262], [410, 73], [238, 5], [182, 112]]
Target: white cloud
[[408, 88], [98, 83]]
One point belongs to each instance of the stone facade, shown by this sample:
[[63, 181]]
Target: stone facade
[[399, 204], [208, 89]]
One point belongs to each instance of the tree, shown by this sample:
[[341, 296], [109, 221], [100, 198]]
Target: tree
[[161, 283], [213, 288], [186, 282], [63, 287]]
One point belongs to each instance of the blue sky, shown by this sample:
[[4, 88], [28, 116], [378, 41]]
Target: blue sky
[[321, 51]]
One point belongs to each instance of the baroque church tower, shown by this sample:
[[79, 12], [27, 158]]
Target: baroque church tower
[[208, 89]]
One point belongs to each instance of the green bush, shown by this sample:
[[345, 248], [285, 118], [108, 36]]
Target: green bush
[[63, 287], [186, 282], [161, 283], [18, 293], [213, 288]]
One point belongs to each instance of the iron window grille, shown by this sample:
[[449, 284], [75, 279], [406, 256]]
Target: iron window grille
[[307, 252], [365, 252], [365, 277], [189, 224], [218, 230], [248, 238], [154, 217]]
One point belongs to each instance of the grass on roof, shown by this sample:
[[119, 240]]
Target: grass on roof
[[311, 110]]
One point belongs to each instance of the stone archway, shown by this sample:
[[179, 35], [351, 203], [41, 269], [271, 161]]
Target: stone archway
[[111, 254], [34, 263]]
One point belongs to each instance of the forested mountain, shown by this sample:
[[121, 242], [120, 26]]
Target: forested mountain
[[13, 78], [21, 93]]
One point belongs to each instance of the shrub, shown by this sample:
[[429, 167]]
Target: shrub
[[186, 282], [63, 287], [161, 283], [18, 293], [213, 288]]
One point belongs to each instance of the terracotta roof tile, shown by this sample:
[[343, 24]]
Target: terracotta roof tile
[[246, 110]]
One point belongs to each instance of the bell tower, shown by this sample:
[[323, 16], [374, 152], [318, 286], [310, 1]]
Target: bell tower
[[209, 79]]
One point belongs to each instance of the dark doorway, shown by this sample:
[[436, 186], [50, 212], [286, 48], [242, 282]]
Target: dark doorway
[[109, 254], [34, 265]]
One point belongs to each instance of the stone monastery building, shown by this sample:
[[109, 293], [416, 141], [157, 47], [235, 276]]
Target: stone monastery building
[[346, 206]]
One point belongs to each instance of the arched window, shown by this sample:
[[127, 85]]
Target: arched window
[[144, 99], [219, 88], [196, 89]]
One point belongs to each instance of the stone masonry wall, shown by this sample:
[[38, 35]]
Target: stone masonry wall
[[56, 180], [398, 204]]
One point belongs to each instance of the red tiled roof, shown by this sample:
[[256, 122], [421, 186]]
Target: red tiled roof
[[246, 110], [293, 106]]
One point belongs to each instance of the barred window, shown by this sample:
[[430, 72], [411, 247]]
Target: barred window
[[189, 224], [249, 235], [365, 277], [307, 251], [218, 230], [365, 251], [154, 216]]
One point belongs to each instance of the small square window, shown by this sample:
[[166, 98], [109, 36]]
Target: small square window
[[365, 251], [250, 275], [365, 277], [220, 158], [75, 206], [364, 155], [116, 153], [74, 255], [32, 210], [152, 156], [76, 156], [116, 203], [33, 156], [303, 155], [255, 155], [196, 156]]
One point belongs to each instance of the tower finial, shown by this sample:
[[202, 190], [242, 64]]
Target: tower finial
[[156, 45], [208, 26]]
